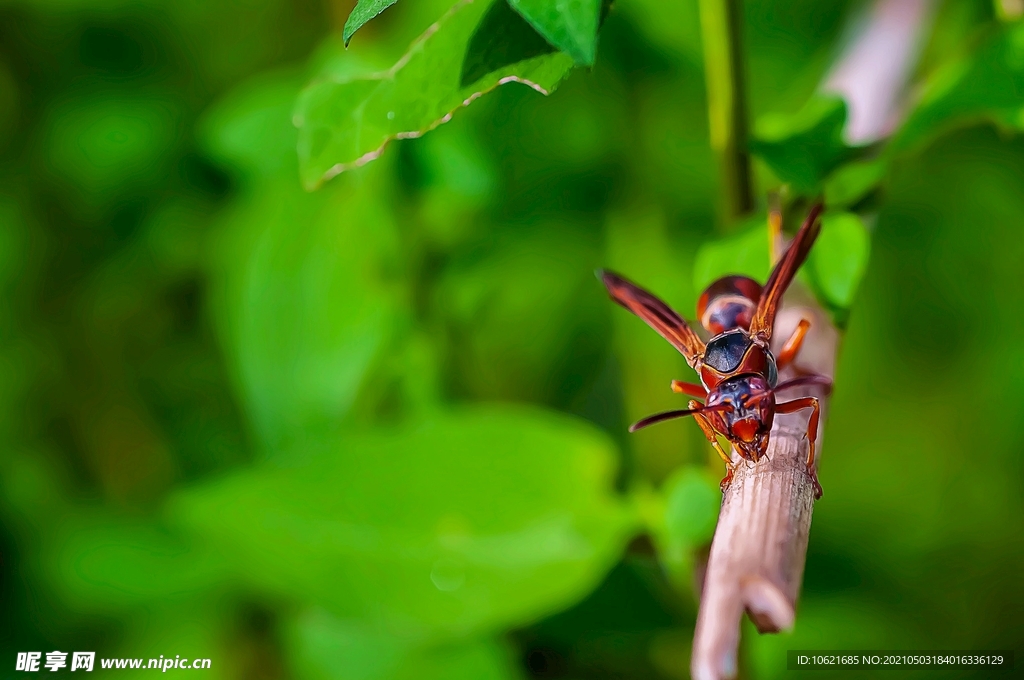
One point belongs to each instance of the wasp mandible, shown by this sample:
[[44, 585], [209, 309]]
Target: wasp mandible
[[738, 371]]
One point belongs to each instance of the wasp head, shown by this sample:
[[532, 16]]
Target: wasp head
[[749, 420]]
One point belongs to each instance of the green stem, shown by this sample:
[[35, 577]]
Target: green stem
[[727, 104]]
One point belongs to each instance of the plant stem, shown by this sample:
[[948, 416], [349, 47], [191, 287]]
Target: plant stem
[[757, 557], [727, 104]]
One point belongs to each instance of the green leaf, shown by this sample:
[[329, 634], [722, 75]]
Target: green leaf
[[833, 269], [103, 564], [103, 147], [501, 39], [201, 625], [836, 263], [321, 647], [986, 85], [13, 245], [803, 148], [681, 518], [303, 294], [569, 25], [249, 129], [344, 123], [469, 522], [692, 501], [745, 252], [507, 347], [852, 182], [305, 301], [362, 13], [9, 106]]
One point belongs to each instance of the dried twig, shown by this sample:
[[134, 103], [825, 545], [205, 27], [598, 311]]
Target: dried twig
[[757, 557], [873, 72]]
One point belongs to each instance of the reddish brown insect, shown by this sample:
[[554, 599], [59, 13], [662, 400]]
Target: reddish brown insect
[[738, 372]]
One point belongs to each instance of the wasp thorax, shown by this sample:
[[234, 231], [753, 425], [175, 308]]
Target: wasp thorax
[[734, 353], [728, 303]]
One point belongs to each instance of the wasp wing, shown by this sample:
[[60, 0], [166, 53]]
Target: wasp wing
[[780, 278], [656, 313]]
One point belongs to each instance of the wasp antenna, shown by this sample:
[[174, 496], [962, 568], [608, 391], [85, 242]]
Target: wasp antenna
[[659, 417], [681, 413]]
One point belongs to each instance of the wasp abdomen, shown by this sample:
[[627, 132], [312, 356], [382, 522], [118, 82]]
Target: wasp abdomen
[[728, 303]]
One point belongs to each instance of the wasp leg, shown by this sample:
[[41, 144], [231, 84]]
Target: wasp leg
[[812, 379], [691, 389], [792, 346], [775, 229], [812, 432], [709, 432]]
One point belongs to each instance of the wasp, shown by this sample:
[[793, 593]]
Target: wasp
[[738, 372]]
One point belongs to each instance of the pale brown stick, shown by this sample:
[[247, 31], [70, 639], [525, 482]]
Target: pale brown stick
[[757, 556], [873, 72]]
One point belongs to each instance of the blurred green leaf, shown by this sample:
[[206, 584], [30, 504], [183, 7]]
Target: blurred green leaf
[[853, 181], [322, 647], [569, 25], [457, 180], [305, 298], [193, 628], [833, 269], [9, 104], [454, 159], [249, 129], [681, 517], [838, 260], [481, 240], [306, 302], [803, 148], [638, 244], [746, 252], [442, 528], [987, 84], [362, 13], [692, 501], [672, 30], [954, 27], [501, 306], [836, 621], [346, 123], [13, 239], [104, 564], [105, 146]]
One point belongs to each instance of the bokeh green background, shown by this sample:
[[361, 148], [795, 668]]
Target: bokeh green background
[[377, 431]]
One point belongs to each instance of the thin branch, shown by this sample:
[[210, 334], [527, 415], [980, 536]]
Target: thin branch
[[872, 74], [757, 556], [727, 104]]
